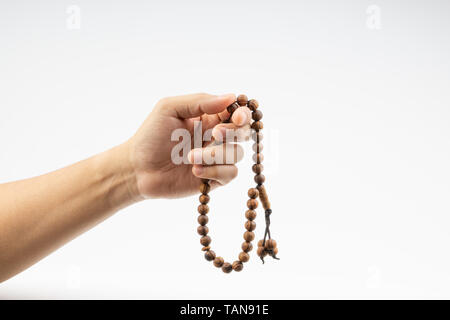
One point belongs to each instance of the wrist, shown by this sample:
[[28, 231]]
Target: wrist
[[122, 182]]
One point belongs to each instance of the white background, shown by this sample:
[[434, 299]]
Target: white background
[[358, 127]]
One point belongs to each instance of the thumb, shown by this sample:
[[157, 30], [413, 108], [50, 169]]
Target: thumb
[[195, 105]]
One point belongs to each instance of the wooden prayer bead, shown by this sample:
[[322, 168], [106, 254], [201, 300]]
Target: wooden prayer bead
[[202, 230], [257, 168], [252, 204], [210, 255], [250, 225], [247, 246], [205, 241], [204, 198], [218, 262], [244, 256], [232, 107], [257, 136], [248, 236], [257, 115], [261, 252], [202, 219], [203, 209], [257, 125], [270, 244], [253, 104], [257, 147], [250, 215], [253, 193], [242, 100], [227, 267], [269, 247], [237, 266], [205, 188], [259, 178], [258, 158]]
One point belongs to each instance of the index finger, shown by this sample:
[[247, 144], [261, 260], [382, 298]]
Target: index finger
[[195, 105]]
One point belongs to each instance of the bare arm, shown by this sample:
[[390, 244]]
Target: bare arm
[[40, 214]]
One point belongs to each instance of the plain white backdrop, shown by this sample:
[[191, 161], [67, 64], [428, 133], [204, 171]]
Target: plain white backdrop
[[356, 102]]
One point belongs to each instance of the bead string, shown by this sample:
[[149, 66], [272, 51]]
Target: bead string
[[266, 246]]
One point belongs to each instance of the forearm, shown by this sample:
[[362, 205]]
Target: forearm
[[39, 215]]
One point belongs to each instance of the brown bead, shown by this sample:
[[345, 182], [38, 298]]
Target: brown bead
[[237, 266], [247, 246], [202, 230], [203, 209], [270, 244], [206, 248], [205, 188], [227, 267], [244, 256], [275, 251], [260, 243], [257, 115], [259, 178], [205, 241], [242, 99], [250, 225], [258, 158], [252, 204], [257, 125], [257, 168], [210, 255], [257, 136], [257, 147], [248, 236], [218, 262], [232, 107], [261, 252], [253, 193], [253, 104], [202, 219], [204, 198], [250, 215]]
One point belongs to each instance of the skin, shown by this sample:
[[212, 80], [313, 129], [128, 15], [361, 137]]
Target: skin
[[40, 214]]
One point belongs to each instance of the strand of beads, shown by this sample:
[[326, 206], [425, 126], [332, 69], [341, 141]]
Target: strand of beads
[[264, 247]]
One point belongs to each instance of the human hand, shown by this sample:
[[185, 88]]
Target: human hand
[[150, 149]]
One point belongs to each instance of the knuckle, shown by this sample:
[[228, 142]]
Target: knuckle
[[163, 102]]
